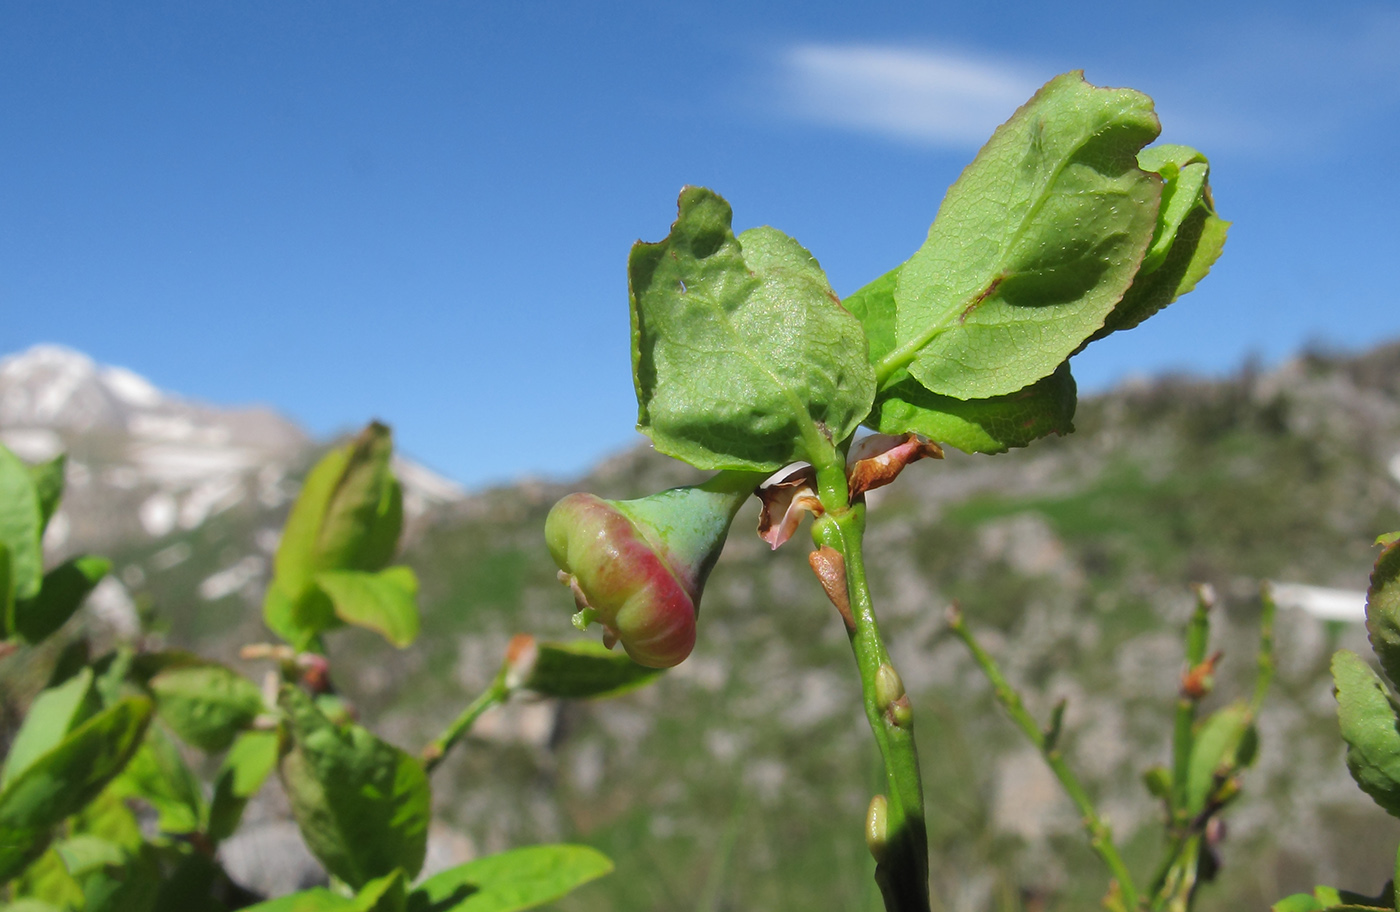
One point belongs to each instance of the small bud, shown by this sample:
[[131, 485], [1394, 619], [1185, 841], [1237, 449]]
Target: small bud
[[889, 687], [877, 827], [891, 698], [638, 567], [1198, 682]]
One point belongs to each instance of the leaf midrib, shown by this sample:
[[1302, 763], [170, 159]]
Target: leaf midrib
[[904, 355]]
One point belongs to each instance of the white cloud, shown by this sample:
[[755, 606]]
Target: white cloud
[[928, 97]]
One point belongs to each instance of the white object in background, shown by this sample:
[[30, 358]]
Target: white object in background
[[1321, 602]]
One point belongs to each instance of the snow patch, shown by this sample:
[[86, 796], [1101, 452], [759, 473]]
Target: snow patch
[[1321, 602], [173, 556], [33, 444], [110, 606], [131, 388], [232, 579], [210, 498], [157, 514]]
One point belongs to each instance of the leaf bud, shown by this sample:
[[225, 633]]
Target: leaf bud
[[891, 698], [877, 827], [638, 567]]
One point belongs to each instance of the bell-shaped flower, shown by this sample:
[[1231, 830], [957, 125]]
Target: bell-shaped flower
[[638, 566]]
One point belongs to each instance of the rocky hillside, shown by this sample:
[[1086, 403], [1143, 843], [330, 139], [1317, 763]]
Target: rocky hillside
[[739, 781]]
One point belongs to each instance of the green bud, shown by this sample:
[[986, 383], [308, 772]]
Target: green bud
[[877, 827], [638, 567]]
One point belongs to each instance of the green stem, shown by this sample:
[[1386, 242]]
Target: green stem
[[1100, 836], [494, 695], [902, 861], [1265, 664]]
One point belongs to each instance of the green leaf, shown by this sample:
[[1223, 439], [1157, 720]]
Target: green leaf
[[206, 705], [33, 905], [1189, 237], [48, 486], [347, 517], [362, 805], [360, 527], [317, 899], [1383, 610], [519, 879], [1298, 902], [47, 880], [1223, 740], [245, 768], [1369, 727], [992, 425], [1033, 245], [21, 525], [63, 591], [108, 817], [387, 894], [52, 715], [972, 425], [7, 594], [159, 776], [384, 602], [741, 354], [298, 618], [83, 853], [585, 668], [65, 779]]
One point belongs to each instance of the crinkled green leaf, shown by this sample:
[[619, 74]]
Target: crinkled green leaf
[[1369, 726], [385, 602], [585, 668], [159, 776], [54, 713], [65, 779], [1383, 610], [362, 805], [1216, 751], [1184, 171], [359, 529], [63, 590], [347, 517], [21, 525], [246, 766], [48, 485], [1188, 239], [206, 705], [742, 356], [518, 879], [1033, 246], [992, 425]]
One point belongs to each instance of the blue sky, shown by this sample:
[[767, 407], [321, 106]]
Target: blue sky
[[421, 211]]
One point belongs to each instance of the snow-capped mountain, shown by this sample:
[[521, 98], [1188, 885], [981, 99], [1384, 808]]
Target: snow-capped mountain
[[145, 463]]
